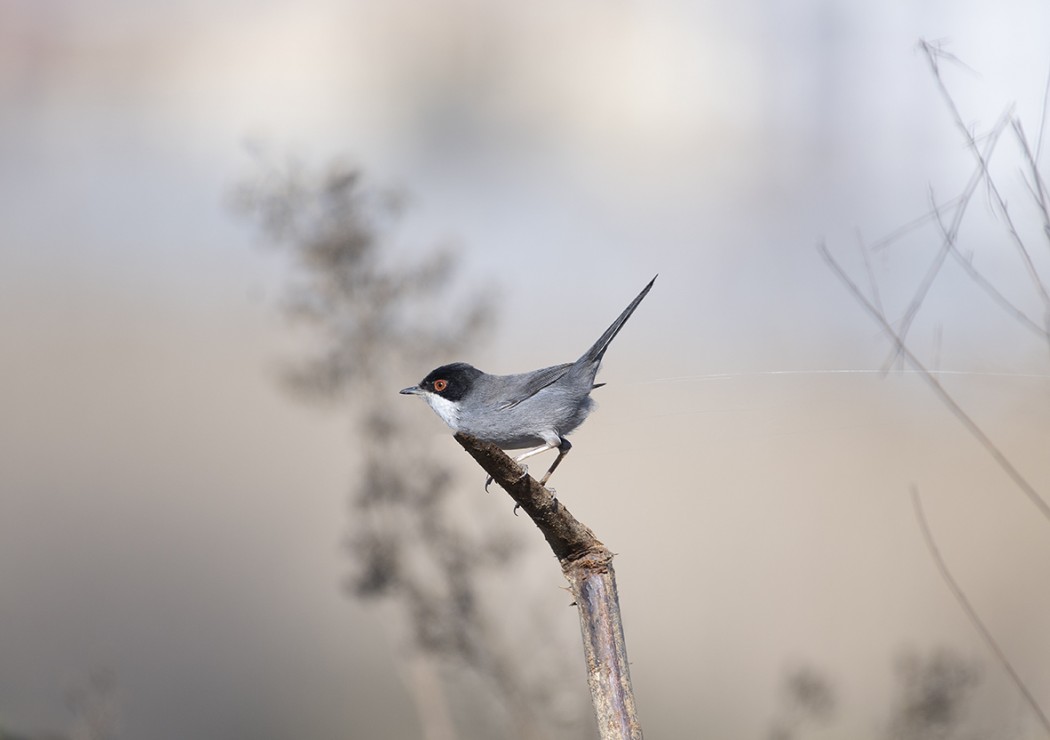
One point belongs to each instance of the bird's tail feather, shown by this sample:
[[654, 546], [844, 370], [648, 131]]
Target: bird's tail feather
[[595, 353]]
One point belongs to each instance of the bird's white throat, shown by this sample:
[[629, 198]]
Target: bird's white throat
[[446, 409]]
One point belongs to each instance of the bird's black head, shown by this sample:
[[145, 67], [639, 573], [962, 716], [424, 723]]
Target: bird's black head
[[451, 382]]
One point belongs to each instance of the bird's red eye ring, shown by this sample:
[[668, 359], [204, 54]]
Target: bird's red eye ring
[[440, 385]]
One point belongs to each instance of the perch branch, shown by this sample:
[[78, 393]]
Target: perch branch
[[587, 565]]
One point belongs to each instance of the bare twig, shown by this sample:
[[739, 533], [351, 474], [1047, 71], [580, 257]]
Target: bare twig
[[971, 613], [873, 284], [1038, 186], [971, 426], [886, 240], [932, 54], [1042, 120], [985, 284], [953, 231], [587, 564]]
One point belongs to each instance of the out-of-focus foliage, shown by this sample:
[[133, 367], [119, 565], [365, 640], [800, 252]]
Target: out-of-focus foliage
[[378, 315], [808, 699], [374, 309], [933, 693], [371, 314]]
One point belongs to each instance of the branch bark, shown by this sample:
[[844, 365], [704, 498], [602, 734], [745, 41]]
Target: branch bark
[[587, 565]]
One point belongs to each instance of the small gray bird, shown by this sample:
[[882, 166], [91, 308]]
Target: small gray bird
[[537, 409]]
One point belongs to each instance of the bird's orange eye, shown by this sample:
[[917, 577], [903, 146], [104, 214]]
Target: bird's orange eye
[[440, 385]]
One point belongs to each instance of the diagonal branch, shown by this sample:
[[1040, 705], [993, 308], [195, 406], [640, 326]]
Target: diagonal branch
[[971, 426], [887, 240], [932, 54], [1042, 121], [1037, 186], [984, 283], [971, 613], [568, 538], [952, 233]]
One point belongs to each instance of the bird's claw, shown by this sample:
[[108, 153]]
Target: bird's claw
[[554, 500], [524, 472]]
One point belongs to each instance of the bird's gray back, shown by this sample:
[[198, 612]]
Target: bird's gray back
[[539, 412]]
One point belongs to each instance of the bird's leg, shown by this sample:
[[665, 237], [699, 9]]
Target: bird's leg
[[563, 450], [542, 448]]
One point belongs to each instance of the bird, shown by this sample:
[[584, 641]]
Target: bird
[[536, 409]]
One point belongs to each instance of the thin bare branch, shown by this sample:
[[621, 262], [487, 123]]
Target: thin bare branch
[[1042, 120], [1037, 187], [935, 51], [873, 284], [986, 285], [971, 426], [932, 55], [888, 239], [971, 613], [1031, 160], [938, 261]]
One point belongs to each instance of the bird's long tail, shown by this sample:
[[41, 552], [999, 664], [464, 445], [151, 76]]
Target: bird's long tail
[[595, 353]]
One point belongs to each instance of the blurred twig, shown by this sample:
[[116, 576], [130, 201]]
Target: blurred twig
[[934, 709], [1042, 121], [933, 54], [971, 613], [971, 426], [948, 242], [949, 235]]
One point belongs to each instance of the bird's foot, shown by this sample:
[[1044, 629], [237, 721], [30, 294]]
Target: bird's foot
[[554, 500], [524, 472]]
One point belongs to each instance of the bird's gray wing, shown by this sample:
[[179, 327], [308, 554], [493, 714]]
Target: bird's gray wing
[[533, 383]]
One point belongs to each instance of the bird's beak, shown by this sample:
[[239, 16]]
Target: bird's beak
[[413, 390]]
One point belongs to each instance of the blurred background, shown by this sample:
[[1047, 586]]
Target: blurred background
[[219, 520]]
